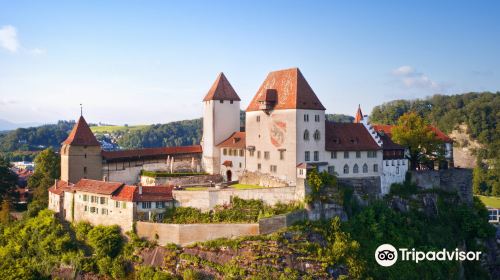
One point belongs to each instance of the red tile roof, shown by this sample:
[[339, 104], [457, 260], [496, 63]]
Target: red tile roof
[[149, 193], [150, 152], [221, 90], [236, 140], [348, 137], [81, 135], [388, 130], [98, 187], [291, 89], [126, 193], [359, 115], [227, 163], [59, 187]]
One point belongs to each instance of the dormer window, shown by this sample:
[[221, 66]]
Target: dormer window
[[268, 100]]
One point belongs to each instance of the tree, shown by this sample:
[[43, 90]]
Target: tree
[[413, 132], [105, 240], [5, 212], [8, 179], [47, 169]]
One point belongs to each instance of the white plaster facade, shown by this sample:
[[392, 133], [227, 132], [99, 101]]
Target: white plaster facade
[[237, 159], [220, 119]]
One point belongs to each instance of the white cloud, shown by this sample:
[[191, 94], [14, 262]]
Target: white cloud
[[37, 51], [8, 38], [408, 77]]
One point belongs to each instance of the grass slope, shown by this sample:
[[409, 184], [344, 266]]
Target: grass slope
[[490, 201]]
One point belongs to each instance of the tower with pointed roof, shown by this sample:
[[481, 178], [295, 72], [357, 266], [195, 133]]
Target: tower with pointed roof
[[285, 126], [359, 115], [81, 154], [221, 118]]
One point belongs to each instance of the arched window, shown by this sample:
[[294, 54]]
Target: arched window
[[365, 168], [355, 169], [346, 169], [317, 135], [306, 135]]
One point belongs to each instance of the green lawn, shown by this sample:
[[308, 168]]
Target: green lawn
[[490, 201], [115, 128], [243, 186], [196, 188]]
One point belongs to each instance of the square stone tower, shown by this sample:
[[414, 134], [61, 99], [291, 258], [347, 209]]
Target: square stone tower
[[221, 118], [81, 154]]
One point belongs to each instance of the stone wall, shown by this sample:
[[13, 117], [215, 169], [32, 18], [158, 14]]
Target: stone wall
[[272, 224], [208, 199], [457, 180], [129, 172], [183, 234], [260, 179], [180, 181], [363, 186]]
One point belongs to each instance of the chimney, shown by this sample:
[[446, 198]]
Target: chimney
[[140, 189], [55, 184]]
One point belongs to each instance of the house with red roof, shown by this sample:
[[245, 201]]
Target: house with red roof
[[109, 203]]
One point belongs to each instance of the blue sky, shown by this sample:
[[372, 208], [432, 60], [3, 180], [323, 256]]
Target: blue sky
[[141, 62]]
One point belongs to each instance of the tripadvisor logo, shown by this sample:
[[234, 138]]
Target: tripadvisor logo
[[387, 255]]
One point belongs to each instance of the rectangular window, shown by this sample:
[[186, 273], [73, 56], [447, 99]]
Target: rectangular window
[[331, 169], [266, 155], [85, 208], [259, 166], [124, 204], [242, 153], [104, 200], [316, 156], [372, 154], [240, 165], [230, 152], [85, 197], [333, 154], [146, 205], [160, 204], [375, 168], [85, 170], [252, 153], [358, 154], [230, 101], [346, 154], [258, 154], [104, 211], [117, 204], [307, 156], [273, 168], [93, 209], [386, 163], [224, 151], [258, 118], [403, 162], [282, 155]]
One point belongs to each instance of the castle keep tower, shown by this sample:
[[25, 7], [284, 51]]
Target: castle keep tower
[[285, 126], [221, 118], [81, 154]]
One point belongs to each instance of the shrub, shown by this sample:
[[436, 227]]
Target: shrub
[[105, 240]]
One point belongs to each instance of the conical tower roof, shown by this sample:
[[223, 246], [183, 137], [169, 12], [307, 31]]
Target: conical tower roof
[[221, 90], [359, 115], [81, 135]]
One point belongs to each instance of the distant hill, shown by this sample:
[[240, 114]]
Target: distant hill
[[6, 125]]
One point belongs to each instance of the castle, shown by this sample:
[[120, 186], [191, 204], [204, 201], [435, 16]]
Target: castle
[[286, 134]]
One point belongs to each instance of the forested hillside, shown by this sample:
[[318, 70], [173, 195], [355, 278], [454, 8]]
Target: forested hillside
[[480, 112]]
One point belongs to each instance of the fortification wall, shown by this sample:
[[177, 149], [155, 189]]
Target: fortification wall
[[183, 234], [260, 179], [457, 180], [207, 199], [363, 186], [180, 181]]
